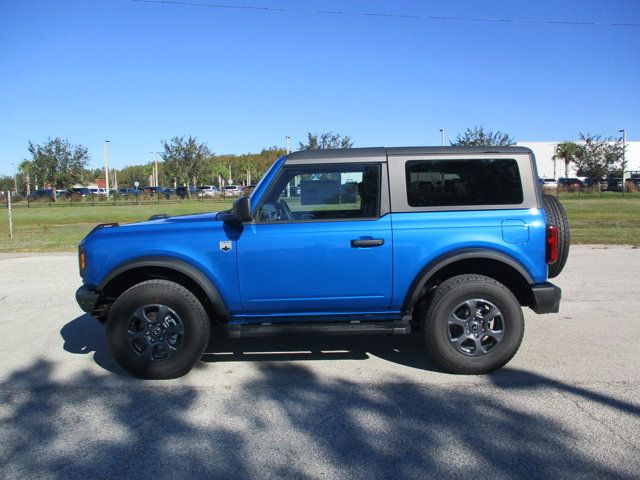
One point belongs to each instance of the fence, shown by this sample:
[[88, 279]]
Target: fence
[[575, 191], [19, 201]]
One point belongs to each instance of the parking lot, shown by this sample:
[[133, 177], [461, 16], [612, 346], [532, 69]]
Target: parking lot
[[567, 406]]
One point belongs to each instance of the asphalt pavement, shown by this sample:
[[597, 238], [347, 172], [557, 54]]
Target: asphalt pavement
[[567, 406]]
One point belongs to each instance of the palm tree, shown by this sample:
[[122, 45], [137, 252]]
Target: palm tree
[[25, 170], [567, 151]]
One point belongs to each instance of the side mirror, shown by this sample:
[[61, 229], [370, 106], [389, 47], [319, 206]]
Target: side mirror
[[242, 209]]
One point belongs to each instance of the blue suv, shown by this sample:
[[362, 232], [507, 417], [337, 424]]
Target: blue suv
[[451, 242]]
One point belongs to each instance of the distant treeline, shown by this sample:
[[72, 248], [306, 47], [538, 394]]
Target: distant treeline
[[183, 161]]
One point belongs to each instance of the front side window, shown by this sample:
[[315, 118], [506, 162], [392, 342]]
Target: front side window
[[444, 183], [323, 192]]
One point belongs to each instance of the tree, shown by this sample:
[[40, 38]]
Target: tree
[[57, 163], [325, 140], [255, 163], [24, 176], [128, 176], [479, 137], [6, 183], [567, 152], [598, 157], [184, 160]]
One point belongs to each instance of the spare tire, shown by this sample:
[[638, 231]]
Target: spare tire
[[557, 216]]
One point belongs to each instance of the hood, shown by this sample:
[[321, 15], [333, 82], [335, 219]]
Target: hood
[[162, 219]]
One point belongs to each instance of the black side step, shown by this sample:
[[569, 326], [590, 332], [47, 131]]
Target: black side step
[[326, 328]]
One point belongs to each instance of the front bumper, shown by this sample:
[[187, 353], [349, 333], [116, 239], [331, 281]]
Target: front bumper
[[87, 298], [546, 298]]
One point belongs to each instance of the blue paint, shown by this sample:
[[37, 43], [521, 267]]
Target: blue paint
[[303, 271]]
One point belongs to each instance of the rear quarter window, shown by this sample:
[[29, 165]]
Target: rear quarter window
[[468, 182]]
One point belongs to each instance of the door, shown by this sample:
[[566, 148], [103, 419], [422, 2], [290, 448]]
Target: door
[[318, 244]]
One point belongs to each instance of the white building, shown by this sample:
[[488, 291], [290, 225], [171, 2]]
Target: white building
[[548, 168]]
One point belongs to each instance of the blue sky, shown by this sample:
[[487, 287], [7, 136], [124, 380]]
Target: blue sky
[[138, 73]]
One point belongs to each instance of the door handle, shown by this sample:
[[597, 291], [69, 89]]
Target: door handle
[[367, 242]]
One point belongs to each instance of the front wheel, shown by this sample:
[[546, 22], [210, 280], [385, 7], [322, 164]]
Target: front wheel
[[474, 325], [157, 329]]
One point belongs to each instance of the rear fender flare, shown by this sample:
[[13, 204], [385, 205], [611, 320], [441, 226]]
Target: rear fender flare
[[433, 267]]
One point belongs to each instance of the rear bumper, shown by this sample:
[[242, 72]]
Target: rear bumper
[[87, 298], [546, 298]]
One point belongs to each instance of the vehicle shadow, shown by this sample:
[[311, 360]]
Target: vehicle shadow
[[405, 350], [84, 335]]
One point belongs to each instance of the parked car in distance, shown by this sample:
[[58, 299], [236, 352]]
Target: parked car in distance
[[208, 191], [614, 184], [98, 191], [588, 182], [79, 192], [548, 182], [153, 190], [184, 192], [125, 192], [569, 182], [168, 192], [42, 193], [232, 191]]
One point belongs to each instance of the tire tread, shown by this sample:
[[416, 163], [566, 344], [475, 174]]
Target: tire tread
[[197, 308], [443, 289]]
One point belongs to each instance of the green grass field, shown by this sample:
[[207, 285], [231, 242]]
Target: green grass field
[[604, 220], [59, 228]]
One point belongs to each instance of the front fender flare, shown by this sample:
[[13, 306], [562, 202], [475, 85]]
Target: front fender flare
[[195, 274]]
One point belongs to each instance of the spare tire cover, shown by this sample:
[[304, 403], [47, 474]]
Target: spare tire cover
[[557, 216]]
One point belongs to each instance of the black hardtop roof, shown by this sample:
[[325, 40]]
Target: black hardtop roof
[[363, 153]]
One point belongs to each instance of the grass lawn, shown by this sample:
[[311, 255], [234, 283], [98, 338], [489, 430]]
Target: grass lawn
[[604, 220], [60, 228]]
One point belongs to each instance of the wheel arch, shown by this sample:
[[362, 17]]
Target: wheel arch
[[490, 263], [132, 272]]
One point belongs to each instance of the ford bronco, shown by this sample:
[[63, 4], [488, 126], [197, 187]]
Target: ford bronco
[[450, 242]]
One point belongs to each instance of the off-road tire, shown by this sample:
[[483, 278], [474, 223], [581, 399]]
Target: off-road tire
[[192, 316], [557, 216], [455, 291]]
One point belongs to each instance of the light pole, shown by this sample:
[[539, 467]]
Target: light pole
[[155, 168], [15, 178], [106, 165], [442, 137], [624, 148], [155, 158], [287, 139]]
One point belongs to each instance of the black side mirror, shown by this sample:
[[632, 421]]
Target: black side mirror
[[242, 209], [241, 212]]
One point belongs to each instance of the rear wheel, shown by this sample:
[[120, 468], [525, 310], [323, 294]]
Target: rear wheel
[[473, 325], [157, 329], [557, 216]]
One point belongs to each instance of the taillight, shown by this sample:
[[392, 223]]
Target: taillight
[[552, 244]]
